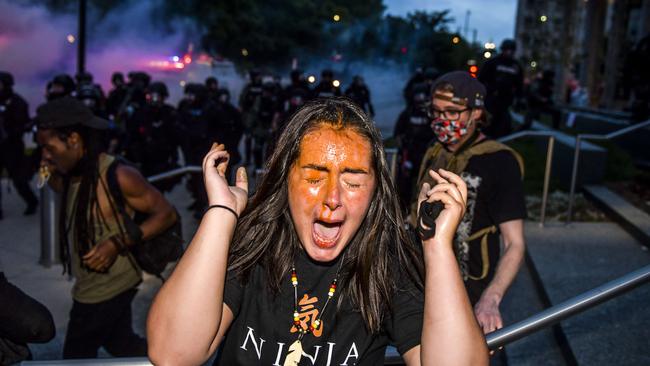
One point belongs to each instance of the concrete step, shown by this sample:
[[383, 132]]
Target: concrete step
[[635, 221], [522, 301], [576, 258], [634, 143]]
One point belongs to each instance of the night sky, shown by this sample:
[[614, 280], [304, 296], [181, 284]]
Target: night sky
[[493, 19]]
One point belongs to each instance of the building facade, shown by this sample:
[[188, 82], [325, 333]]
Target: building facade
[[586, 43]]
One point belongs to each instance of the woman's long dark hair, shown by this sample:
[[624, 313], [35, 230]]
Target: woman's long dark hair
[[85, 209], [376, 255]]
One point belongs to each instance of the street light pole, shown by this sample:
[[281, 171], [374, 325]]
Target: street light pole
[[81, 38]]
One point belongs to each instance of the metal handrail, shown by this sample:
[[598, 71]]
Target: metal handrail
[[549, 162], [576, 157], [172, 173], [494, 340], [568, 308]]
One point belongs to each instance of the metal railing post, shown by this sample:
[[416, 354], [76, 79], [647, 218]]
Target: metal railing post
[[259, 173], [576, 157], [547, 178], [392, 161], [49, 227], [574, 177]]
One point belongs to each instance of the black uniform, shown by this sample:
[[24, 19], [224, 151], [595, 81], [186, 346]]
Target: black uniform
[[91, 96], [414, 134], [116, 95], [60, 86], [637, 76], [229, 127], [14, 120], [265, 123], [359, 93], [540, 100], [197, 119], [503, 78], [249, 104], [134, 99], [154, 141], [326, 87], [296, 94]]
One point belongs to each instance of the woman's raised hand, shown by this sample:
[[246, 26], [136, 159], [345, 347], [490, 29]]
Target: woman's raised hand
[[451, 191], [216, 184]]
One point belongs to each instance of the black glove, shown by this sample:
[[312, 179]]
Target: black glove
[[429, 212]]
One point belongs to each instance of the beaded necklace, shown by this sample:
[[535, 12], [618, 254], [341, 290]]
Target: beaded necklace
[[295, 350]]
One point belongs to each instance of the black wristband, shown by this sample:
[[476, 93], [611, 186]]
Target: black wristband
[[225, 208], [121, 247]]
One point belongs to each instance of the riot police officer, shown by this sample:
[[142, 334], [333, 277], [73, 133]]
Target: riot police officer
[[153, 136], [249, 103], [14, 120], [116, 95], [91, 97], [229, 126], [266, 122], [60, 86], [413, 134], [328, 87], [296, 94], [503, 78], [212, 84], [197, 118], [416, 78], [134, 99], [360, 94]]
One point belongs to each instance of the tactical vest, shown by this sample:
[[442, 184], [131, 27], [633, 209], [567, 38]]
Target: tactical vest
[[437, 157]]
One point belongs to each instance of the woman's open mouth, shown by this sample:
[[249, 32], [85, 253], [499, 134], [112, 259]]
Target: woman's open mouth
[[326, 234]]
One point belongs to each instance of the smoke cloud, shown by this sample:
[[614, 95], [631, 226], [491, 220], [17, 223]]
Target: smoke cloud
[[35, 46]]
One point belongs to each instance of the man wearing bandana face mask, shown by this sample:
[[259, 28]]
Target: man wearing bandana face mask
[[495, 204]]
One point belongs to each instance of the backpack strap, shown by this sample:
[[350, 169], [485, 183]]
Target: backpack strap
[[485, 258], [131, 228], [113, 184]]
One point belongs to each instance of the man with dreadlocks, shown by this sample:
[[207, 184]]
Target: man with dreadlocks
[[94, 246]]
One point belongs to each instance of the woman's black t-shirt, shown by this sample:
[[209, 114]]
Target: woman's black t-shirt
[[263, 330]]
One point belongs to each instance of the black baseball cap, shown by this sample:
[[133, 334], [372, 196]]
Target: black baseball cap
[[467, 90], [67, 111]]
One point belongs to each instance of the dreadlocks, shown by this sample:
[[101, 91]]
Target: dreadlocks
[[85, 213]]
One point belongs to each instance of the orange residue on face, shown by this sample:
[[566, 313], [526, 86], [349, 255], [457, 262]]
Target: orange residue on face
[[332, 180], [325, 154]]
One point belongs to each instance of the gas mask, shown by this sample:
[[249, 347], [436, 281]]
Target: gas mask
[[449, 132], [155, 98], [90, 103]]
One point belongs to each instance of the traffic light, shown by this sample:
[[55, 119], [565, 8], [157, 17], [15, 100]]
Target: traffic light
[[473, 70]]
